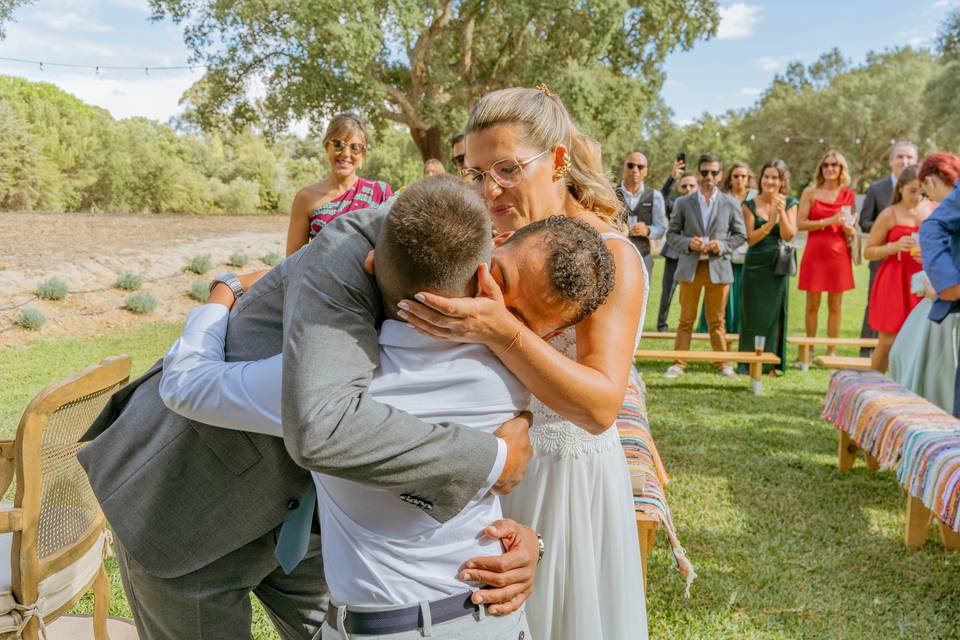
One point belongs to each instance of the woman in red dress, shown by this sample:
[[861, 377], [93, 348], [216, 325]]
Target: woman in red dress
[[893, 239], [826, 213]]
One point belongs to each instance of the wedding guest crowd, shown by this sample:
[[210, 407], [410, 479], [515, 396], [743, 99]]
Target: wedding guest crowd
[[686, 186]]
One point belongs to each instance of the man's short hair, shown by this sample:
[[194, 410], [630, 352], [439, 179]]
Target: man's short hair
[[903, 143], [579, 264], [707, 158], [455, 138], [436, 235]]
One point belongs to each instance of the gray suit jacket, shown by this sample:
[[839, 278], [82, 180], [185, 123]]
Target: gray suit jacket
[[877, 199], [180, 494], [726, 226]]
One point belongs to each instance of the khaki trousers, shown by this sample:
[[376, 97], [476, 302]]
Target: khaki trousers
[[715, 304]]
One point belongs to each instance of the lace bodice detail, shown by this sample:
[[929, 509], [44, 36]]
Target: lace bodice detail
[[552, 433]]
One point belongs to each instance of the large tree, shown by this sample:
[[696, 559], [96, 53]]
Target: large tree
[[422, 64], [6, 12]]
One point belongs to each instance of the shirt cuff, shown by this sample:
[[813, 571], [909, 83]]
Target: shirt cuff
[[498, 466]]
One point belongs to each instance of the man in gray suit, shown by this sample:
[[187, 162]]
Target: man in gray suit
[[197, 510], [705, 228], [878, 197]]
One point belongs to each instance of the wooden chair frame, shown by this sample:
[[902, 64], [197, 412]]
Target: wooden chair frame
[[917, 529], [23, 456], [647, 526]]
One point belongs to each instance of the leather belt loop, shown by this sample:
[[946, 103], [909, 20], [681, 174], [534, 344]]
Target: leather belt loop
[[427, 627]]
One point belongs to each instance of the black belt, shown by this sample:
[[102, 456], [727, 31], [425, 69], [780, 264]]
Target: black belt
[[371, 623]]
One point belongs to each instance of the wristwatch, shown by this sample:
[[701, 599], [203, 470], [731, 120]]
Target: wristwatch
[[229, 279], [540, 548]]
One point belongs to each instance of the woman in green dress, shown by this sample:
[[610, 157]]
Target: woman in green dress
[[769, 217]]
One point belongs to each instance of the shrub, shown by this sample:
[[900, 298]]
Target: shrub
[[52, 289], [200, 291], [128, 281], [200, 264], [141, 302], [31, 319], [272, 259], [238, 260]]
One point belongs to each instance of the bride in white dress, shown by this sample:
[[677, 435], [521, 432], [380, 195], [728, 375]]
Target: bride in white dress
[[528, 160]]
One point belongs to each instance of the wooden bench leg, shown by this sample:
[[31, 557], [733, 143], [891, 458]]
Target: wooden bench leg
[[647, 532], [872, 463], [847, 452], [949, 537], [804, 356], [918, 523], [756, 377]]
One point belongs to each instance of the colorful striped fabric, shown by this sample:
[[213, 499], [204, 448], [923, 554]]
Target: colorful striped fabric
[[930, 471], [877, 413], [647, 472]]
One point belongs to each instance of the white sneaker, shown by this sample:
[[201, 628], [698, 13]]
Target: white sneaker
[[728, 372], [673, 372]]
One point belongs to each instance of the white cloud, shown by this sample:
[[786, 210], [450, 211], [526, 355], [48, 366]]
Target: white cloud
[[70, 21], [738, 20], [750, 92], [916, 38], [941, 4]]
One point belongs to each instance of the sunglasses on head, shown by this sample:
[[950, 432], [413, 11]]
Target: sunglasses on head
[[707, 172], [633, 165]]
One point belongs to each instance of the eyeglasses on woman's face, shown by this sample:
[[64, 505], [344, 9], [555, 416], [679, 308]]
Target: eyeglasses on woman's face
[[355, 148], [830, 165], [506, 173]]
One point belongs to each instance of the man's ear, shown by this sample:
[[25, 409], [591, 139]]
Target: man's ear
[[368, 264], [500, 238]]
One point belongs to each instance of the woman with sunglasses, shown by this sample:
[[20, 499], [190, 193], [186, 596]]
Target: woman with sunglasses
[[826, 213], [345, 142], [526, 157]]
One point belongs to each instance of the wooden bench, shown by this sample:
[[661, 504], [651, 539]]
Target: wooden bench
[[755, 361], [805, 346], [930, 472], [696, 337], [647, 526], [843, 362]]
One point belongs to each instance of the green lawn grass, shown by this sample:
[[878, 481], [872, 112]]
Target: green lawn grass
[[786, 546]]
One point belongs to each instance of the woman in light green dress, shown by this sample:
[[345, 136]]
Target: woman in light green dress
[[924, 355]]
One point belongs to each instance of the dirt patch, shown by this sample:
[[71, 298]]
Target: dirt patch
[[89, 251]]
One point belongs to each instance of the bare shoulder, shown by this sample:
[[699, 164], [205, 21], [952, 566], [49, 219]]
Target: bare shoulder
[[310, 197], [885, 217]]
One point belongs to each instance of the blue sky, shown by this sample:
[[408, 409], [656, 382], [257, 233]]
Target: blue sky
[[756, 40]]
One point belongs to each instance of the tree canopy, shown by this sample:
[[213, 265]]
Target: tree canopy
[[422, 64]]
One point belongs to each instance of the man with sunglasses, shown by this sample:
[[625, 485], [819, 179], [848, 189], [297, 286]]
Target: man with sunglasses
[[705, 228], [645, 211]]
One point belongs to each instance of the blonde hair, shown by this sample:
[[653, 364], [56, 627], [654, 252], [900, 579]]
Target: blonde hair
[[844, 178], [546, 123]]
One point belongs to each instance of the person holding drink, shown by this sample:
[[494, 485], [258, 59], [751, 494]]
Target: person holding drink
[[894, 240], [770, 219], [826, 213]]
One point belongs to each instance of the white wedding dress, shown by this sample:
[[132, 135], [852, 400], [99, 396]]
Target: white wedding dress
[[577, 495]]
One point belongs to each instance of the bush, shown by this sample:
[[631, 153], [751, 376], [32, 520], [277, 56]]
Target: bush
[[128, 281], [141, 302], [52, 289], [199, 264], [31, 319], [200, 291], [240, 196], [272, 259], [238, 260]]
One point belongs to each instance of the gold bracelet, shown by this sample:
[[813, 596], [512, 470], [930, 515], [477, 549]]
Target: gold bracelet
[[516, 340]]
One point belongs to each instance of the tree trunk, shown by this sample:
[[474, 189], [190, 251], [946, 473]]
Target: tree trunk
[[429, 142]]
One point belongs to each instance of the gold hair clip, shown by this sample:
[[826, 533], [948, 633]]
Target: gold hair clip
[[545, 89]]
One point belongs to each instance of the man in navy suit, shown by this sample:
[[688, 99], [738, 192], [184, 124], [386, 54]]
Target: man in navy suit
[[940, 247]]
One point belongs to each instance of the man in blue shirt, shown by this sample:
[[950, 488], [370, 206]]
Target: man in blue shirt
[[940, 247]]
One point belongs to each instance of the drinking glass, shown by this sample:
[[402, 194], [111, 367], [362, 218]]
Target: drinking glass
[[759, 342], [915, 250]]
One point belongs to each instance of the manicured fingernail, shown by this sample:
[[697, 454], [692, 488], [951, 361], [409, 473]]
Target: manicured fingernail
[[421, 297], [404, 306], [402, 314]]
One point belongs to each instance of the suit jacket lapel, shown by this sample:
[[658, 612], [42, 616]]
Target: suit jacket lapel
[[695, 213]]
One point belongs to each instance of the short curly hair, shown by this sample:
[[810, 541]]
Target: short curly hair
[[579, 264]]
